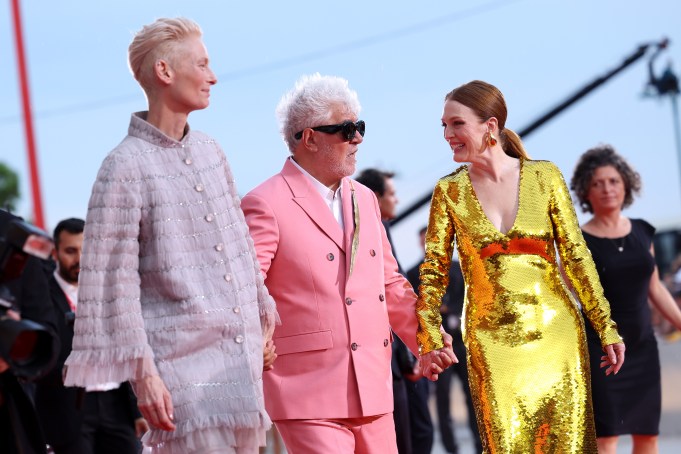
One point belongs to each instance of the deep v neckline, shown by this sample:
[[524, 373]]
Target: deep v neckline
[[482, 210]]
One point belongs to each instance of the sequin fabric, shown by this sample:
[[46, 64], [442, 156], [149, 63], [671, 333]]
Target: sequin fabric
[[170, 285], [527, 357]]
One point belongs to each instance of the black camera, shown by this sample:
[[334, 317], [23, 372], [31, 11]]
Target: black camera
[[28, 347]]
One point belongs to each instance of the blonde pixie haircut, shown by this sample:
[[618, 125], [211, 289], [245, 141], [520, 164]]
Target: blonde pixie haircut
[[157, 41]]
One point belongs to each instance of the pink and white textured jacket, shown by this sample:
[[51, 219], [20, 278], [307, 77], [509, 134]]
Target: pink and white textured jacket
[[170, 285]]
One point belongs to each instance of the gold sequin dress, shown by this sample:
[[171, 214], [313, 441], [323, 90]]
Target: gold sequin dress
[[527, 357]]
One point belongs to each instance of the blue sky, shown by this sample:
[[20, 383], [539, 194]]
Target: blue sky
[[401, 57]]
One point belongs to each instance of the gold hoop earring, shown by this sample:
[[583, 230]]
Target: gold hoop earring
[[491, 140]]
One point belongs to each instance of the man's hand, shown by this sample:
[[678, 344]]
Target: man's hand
[[435, 362], [154, 402], [613, 359], [269, 354]]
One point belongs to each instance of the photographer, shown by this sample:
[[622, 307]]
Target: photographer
[[20, 431], [98, 419]]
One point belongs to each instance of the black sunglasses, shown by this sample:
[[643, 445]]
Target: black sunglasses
[[347, 128]]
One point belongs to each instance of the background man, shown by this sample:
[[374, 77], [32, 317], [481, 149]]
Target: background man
[[451, 309], [329, 267], [413, 424], [106, 418], [170, 293]]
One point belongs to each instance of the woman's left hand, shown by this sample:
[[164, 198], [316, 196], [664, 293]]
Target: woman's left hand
[[613, 358]]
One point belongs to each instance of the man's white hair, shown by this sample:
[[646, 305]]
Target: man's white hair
[[310, 104]]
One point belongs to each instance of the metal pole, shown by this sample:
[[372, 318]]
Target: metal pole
[[38, 219], [677, 131]]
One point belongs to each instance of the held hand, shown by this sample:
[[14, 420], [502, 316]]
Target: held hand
[[613, 359], [435, 362], [154, 402], [429, 366], [269, 354]]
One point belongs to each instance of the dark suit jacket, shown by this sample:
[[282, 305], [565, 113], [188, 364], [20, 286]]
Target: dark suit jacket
[[59, 407]]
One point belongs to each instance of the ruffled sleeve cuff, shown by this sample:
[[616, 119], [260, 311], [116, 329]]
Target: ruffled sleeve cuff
[[88, 368]]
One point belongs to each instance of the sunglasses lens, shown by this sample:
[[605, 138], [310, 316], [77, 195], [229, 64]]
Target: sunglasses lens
[[361, 127], [350, 129]]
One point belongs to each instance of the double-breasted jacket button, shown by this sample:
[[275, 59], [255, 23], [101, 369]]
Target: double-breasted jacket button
[[372, 253], [354, 346], [348, 301], [381, 297], [239, 339], [199, 187], [385, 342], [330, 257]]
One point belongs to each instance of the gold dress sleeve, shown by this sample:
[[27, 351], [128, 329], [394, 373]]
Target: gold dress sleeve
[[434, 272], [577, 261]]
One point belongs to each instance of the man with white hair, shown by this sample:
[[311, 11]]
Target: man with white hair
[[170, 294], [328, 265]]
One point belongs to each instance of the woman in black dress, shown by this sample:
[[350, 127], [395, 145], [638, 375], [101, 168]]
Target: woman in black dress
[[622, 248]]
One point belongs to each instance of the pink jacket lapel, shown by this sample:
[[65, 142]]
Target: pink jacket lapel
[[307, 197]]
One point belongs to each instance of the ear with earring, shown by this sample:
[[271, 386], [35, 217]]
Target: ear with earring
[[491, 140]]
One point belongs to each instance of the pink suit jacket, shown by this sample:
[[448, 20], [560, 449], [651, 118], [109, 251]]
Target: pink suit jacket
[[334, 342]]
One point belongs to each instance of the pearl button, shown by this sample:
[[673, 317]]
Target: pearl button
[[219, 247], [239, 339], [209, 217], [237, 310], [199, 187], [228, 277], [188, 161]]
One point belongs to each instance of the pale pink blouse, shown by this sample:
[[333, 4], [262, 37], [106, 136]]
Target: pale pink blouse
[[170, 285]]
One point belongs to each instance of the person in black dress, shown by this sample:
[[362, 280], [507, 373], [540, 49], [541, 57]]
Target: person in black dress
[[628, 403]]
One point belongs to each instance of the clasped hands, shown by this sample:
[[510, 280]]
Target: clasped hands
[[435, 362]]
